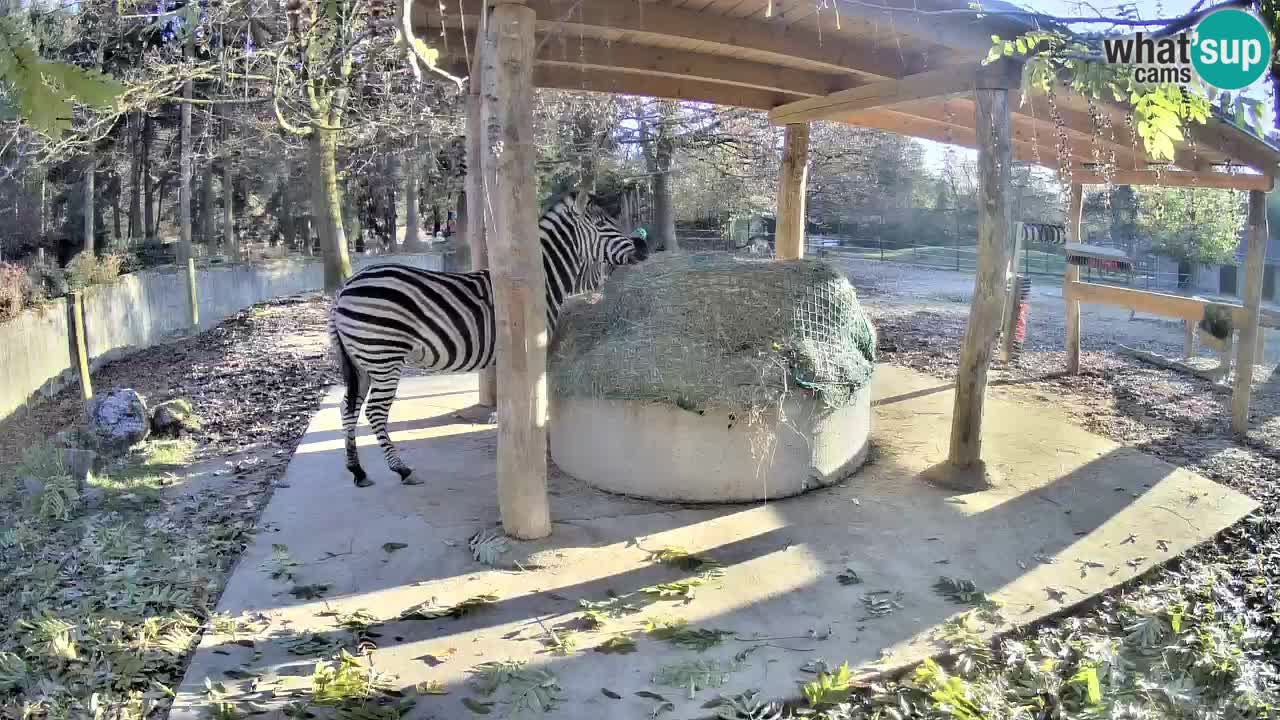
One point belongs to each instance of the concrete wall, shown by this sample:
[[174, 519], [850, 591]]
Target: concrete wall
[[144, 309]]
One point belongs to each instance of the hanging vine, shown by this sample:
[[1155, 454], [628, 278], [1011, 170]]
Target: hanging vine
[[1161, 111]]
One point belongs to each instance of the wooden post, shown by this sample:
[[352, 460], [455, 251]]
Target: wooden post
[[79, 348], [1188, 340], [192, 297], [1011, 302], [516, 267], [1074, 208], [994, 159], [789, 244], [1247, 348], [479, 212]]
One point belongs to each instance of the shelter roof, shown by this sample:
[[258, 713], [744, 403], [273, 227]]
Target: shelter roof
[[905, 66]]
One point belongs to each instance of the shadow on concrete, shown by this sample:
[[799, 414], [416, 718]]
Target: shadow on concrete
[[778, 593]]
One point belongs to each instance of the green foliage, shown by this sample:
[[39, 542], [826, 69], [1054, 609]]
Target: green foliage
[[677, 632], [1197, 225], [1160, 110], [430, 610], [829, 688], [694, 675], [518, 686], [682, 559], [344, 680], [44, 90]]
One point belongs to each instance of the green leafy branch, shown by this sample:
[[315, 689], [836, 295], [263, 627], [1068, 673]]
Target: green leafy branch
[[1161, 110], [43, 90]]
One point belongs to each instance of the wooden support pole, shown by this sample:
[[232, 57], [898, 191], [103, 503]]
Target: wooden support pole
[[516, 267], [1247, 348], [79, 348], [479, 213], [793, 177], [1189, 340], [1074, 209], [994, 160], [1011, 302], [193, 298]]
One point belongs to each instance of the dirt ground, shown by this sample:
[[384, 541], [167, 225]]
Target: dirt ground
[[256, 379], [920, 316]]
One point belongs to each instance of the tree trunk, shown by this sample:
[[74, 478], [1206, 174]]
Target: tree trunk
[[90, 170], [44, 203], [116, 187], [184, 168], [206, 208], [411, 220], [151, 218], [135, 179], [664, 210], [230, 238], [165, 186], [288, 229], [327, 208]]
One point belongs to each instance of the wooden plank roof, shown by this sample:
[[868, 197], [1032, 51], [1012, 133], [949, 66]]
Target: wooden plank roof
[[763, 54]]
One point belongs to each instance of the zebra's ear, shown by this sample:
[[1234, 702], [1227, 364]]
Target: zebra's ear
[[580, 198]]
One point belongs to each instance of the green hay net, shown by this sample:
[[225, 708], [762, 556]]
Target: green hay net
[[711, 330]]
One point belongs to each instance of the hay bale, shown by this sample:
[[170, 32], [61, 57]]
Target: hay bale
[[714, 331]]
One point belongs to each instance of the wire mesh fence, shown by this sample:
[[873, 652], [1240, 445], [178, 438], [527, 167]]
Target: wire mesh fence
[[1045, 262]]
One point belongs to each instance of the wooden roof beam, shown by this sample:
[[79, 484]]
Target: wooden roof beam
[[837, 53], [1033, 130], [623, 83], [937, 130], [1174, 178], [887, 93], [598, 55]]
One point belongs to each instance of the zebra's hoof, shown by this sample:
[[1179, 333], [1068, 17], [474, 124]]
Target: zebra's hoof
[[411, 479], [363, 482]]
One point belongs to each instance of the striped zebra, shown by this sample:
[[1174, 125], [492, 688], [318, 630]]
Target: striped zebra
[[388, 316]]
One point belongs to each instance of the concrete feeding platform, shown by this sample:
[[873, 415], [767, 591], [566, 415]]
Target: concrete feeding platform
[[1101, 512]]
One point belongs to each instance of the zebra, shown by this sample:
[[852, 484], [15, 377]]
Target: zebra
[[388, 316]]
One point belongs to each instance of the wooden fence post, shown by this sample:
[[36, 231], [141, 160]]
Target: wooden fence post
[[1247, 348], [79, 347], [479, 212], [1074, 209], [966, 469], [516, 268], [192, 297], [789, 243]]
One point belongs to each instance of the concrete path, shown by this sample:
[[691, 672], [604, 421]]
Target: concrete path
[[1077, 514]]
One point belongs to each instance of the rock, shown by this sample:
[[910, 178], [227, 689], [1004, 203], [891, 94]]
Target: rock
[[116, 421], [173, 418]]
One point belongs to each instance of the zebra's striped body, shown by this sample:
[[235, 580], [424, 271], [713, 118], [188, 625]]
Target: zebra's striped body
[[387, 317]]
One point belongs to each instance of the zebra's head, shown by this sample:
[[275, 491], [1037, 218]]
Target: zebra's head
[[609, 245]]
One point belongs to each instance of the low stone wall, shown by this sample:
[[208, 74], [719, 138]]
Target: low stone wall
[[144, 309]]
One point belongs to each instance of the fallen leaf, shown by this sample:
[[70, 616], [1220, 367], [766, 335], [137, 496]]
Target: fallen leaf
[[477, 707], [617, 645], [610, 694], [393, 546], [431, 687]]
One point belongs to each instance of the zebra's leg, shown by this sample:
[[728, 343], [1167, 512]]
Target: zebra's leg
[[382, 392], [357, 388]]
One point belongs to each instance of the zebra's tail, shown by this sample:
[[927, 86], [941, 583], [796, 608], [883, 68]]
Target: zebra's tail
[[339, 356]]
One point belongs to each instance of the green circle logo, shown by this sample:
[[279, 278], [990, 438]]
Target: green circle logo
[[1231, 50]]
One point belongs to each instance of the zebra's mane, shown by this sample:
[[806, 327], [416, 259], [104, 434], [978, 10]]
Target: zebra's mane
[[565, 199]]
